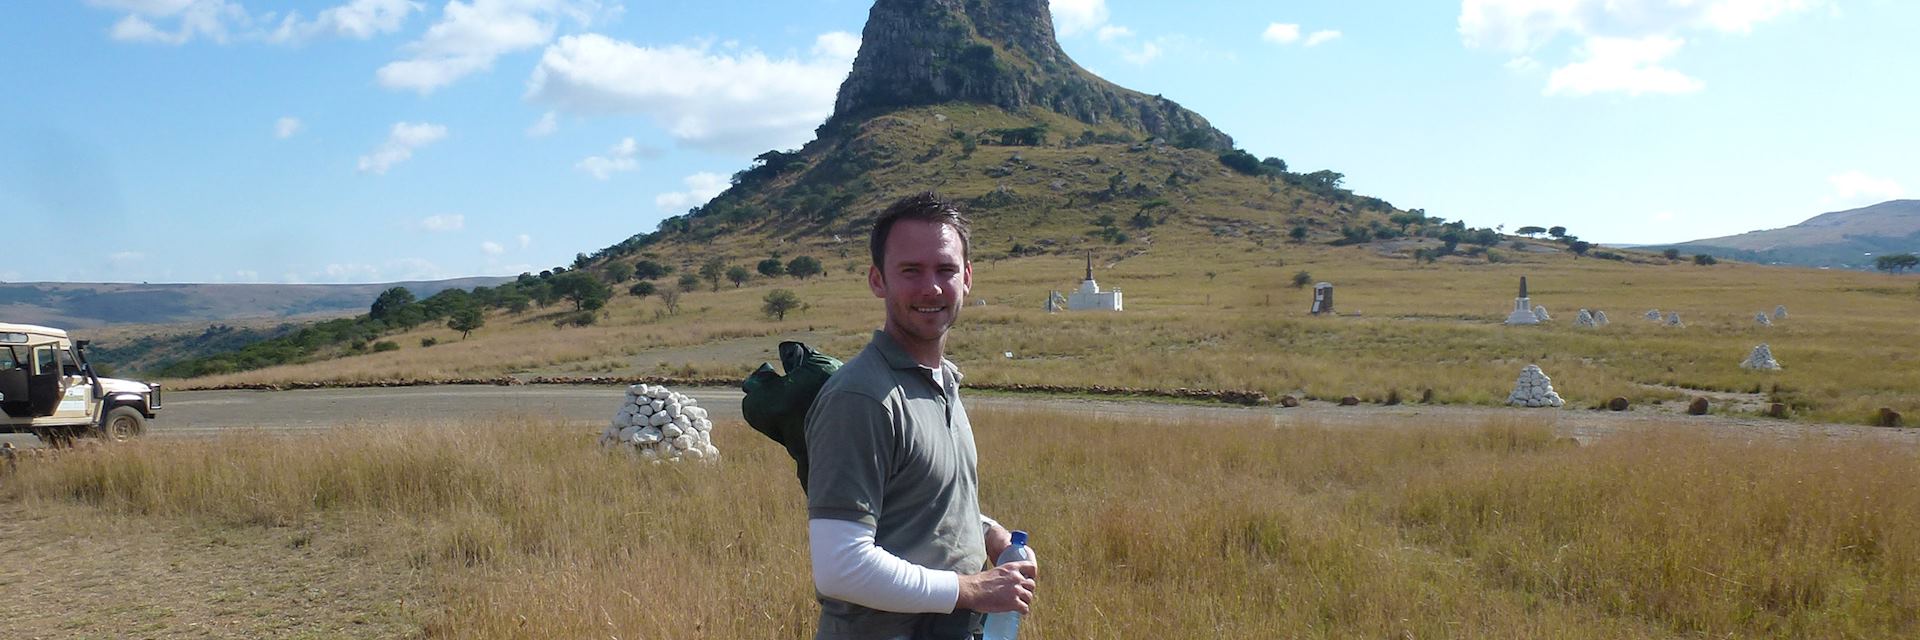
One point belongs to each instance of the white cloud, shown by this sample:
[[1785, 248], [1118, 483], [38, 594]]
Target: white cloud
[[210, 19], [1630, 66], [740, 101], [404, 138], [389, 271], [524, 240], [1318, 38], [285, 127], [1073, 17], [1522, 64], [1147, 52], [357, 19], [1527, 27], [443, 222], [492, 248], [621, 157], [701, 187], [471, 35], [1859, 188], [1111, 32], [1281, 33], [545, 126]]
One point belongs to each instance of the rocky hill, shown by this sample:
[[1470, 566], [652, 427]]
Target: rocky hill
[[1840, 239]]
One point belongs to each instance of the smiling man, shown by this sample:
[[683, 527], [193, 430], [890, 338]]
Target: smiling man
[[895, 530]]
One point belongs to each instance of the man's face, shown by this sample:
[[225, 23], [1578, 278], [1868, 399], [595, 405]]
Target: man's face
[[925, 281]]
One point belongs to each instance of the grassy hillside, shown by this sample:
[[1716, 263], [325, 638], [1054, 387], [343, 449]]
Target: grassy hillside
[[1842, 239], [79, 305]]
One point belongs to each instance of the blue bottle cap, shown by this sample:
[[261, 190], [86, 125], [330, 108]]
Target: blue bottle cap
[[1019, 538]]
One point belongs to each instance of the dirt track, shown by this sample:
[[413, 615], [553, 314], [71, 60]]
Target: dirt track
[[200, 413]]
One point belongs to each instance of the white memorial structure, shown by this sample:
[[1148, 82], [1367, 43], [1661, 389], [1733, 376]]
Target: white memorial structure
[[1089, 297], [1522, 308]]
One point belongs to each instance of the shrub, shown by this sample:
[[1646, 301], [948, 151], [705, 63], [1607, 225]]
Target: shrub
[[1301, 279], [385, 345], [779, 302], [1704, 259], [428, 342]]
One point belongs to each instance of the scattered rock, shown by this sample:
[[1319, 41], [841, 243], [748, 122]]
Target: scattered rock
[[1776, 410], [1289, 402], [1349, 401], [1540, 311], [1888, 417], [1698, 407], [1599, 318], [1653, 314], [1617, 404]]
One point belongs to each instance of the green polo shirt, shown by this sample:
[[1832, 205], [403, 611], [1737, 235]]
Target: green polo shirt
[[891, 449]]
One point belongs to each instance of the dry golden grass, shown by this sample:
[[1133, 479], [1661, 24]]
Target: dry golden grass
[[1144, 529]]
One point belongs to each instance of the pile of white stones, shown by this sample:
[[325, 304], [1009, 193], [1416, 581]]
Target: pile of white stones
[[1653, 314], [1779, 312], [1761, 359], [1590, 319], [1673, 319], [661, 424], [1762, 319], [1540, 311], [1534, 389]]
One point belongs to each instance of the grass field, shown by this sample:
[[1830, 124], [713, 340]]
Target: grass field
[[1144, 529]]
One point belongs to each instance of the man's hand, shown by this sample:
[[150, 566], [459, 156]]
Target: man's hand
[[998, 539], [1008, 587]]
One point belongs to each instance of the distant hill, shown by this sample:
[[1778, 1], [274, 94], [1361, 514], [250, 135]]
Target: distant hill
[[73, 305], [1841, 239]]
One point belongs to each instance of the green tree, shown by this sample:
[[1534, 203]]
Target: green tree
[[1405, 219], [1896, 262], [772, 268], [645, 269], [1298, 233], [389, 302], [712, 270], [1704, 260], [466, 319], [779, 302], [1529, 231], [738, 275], [803, 267], [689, 282], [1579, 247], [618, 272], [1671, 254], [641, 289], [1557, 232], [1301, 279], [582, 289]]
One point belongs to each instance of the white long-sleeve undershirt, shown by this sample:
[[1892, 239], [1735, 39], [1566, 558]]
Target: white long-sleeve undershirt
[[847, 565]]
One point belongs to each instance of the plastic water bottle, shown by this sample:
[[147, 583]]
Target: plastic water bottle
[[1006, 625]]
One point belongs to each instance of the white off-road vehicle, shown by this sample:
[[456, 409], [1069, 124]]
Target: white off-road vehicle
[[48, 389]]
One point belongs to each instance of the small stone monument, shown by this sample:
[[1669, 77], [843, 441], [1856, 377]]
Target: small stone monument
[[1540, 311], [1089, 297], [1522, 307], [1653, 314], [1322, 298], [1599, 318], [1534, 389], [661, 424], [1780, 312], [1673, 319], [1762, 319], [1761, 359], [1584, 319]]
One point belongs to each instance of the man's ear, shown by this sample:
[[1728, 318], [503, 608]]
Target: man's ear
[[876, 281]]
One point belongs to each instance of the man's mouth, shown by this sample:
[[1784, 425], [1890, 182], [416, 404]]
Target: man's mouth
[[929, 309]]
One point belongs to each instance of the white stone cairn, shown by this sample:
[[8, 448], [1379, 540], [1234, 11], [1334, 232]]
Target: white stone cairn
[[1540, 312], [1761, 359], [1673, 319], [1762, 319], [1584, 319], [660, 424], [1780, 312], [1534, 389], [1653, 314], [1599, 318]]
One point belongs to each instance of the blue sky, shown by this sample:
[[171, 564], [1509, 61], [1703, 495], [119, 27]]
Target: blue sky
[[384, 140]]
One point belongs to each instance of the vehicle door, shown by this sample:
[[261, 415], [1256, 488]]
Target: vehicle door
[[14, 397], [76, 391], [44, 380]]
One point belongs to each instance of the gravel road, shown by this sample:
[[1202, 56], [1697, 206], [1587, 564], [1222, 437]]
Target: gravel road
[[200, 413]]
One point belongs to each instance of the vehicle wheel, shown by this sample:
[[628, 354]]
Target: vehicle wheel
[[122, 423]]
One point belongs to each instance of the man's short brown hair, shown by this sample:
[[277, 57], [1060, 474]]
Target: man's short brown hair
[[925, 206]]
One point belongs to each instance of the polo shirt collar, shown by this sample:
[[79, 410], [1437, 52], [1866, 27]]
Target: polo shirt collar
[[898, 358]]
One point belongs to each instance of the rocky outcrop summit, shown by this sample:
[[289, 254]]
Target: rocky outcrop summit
[[997, 52]]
